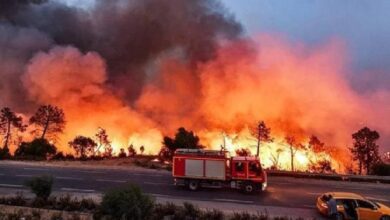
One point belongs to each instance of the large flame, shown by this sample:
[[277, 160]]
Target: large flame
[[296, 90]]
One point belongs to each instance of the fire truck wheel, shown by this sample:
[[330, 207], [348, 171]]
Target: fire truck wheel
[[248, 188], [193, 185]]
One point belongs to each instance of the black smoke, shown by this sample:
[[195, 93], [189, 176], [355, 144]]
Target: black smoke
[[128, 34]]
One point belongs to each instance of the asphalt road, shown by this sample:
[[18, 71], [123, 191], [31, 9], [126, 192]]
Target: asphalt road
[[282, 192]]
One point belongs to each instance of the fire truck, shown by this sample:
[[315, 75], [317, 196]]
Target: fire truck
[[195, 168]]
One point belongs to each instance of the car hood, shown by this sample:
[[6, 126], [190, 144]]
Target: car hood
[[384, 209]]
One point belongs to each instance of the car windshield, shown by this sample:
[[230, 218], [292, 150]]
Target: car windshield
[[375, 203]]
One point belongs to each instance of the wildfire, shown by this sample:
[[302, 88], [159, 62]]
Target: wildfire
[[275, 155]]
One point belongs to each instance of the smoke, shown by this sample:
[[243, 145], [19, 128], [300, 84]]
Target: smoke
[[76, 83], [17, 45], [141, 69], [128, 34]]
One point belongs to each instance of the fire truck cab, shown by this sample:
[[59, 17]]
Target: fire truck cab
[[195, 168]]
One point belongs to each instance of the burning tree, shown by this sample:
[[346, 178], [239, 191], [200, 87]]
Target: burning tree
[[9, 122], [316, 145], [276, 157], [262, 134], [48, 119], [103, 141], [183, 139], [84, 146], [293, 147], [365, 150]]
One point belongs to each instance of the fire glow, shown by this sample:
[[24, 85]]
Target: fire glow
[[295, 90], [199, 72]]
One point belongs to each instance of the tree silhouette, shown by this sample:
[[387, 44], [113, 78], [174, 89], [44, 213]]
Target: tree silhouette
[[38, 149], [316, 145], [293, 147], [262, 134], [183, 139], [142, 149], [131, 150], [365, 150], [84, 146], [9, 122], [48, 119]]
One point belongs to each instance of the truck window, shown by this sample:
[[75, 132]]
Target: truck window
[[255, 168], [239, 167]]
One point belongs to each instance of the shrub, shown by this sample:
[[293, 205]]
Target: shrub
[[18, 200], [38, 149], [4, 153], [41, 186], [212, 215], [381, 169], [127, 202]]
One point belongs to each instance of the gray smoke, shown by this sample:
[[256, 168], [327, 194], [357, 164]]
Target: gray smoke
[[128, 34]]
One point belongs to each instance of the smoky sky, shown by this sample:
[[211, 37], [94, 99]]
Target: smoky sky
[[363, 26], [127, 34]]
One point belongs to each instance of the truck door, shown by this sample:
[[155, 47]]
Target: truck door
[[254, 169], [239, 169]]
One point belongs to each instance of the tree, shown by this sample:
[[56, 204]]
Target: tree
[[84, 146], [183, 139], [9, 122], [365, 150], [122, 153], [50, 120], [262, 134], [38, 149], [132, 151], [142, 149], [103, 141], [293, 147], [243, 152], [316, 145]]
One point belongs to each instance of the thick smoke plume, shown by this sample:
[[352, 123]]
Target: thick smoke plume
[[141, 69]]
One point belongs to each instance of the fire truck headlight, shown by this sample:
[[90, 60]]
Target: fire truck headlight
[[264, 186]]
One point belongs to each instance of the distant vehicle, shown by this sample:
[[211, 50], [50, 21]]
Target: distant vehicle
[[353, 206], [196, 168]]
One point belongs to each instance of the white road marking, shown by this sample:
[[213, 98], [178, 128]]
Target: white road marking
[[142, 174], [78, 190], [152, 183], [11, 186], [24, 175], [112, 181], [234, 201], [377, 199], [68, 178], [39, 169]]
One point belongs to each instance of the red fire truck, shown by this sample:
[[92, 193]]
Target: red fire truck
[[196, 168]]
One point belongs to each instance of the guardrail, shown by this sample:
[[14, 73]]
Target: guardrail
[[338, 177]]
